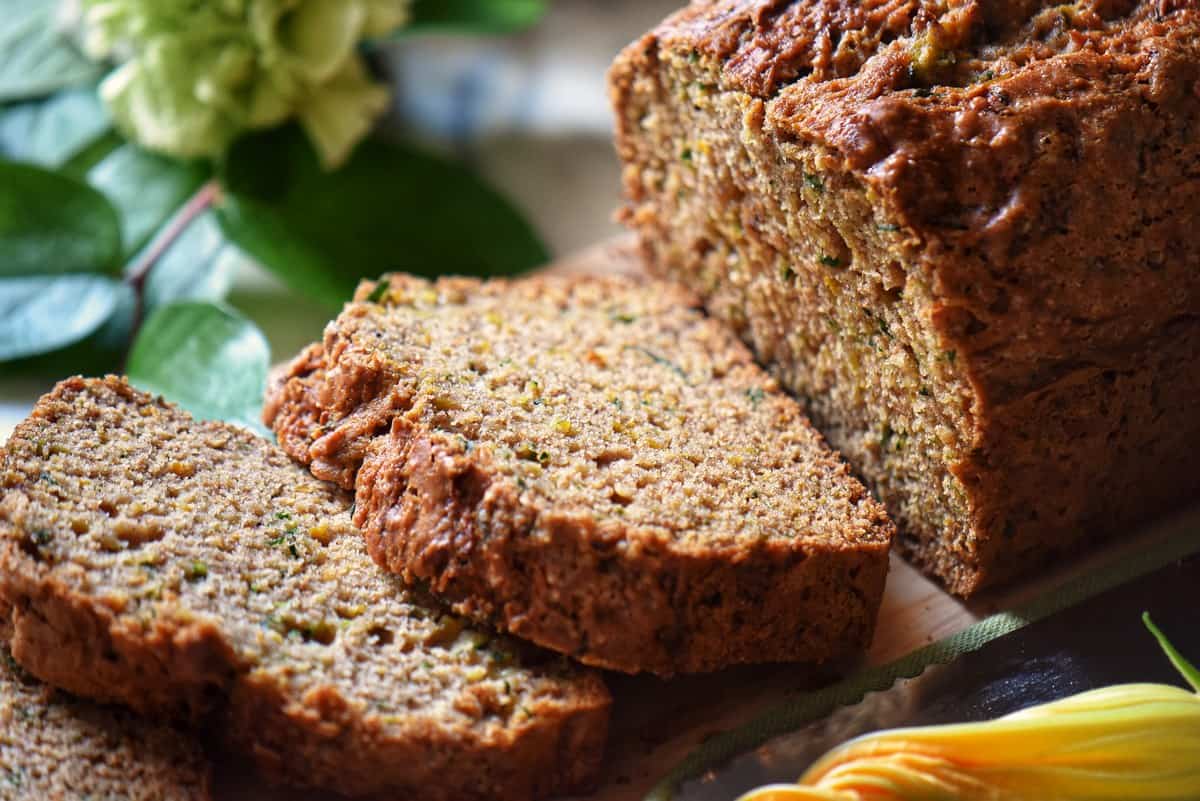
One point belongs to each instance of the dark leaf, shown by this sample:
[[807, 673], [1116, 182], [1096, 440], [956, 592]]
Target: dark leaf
[[475, 16], [41, 314], [200, 265], [205, 357], [36, 59], [79, 165], [51, 223], [390, 208], [264, 233], [50, 132], [146, 188], [103, 351]]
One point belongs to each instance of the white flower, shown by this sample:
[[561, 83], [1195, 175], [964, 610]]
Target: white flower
[[194, 75]]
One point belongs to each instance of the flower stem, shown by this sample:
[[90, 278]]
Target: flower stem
[[1185, 668], [138, 274]]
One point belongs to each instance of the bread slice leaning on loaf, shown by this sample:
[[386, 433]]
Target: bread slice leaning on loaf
[[593, 465], [189, 569], [54, 748], [964, 233]]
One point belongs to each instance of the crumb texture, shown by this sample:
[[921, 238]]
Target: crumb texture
[[53, 748], [191, 570], [594, 465], [961, 232]]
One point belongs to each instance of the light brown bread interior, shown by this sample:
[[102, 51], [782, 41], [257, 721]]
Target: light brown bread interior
[[190, 570], [592, 464], [908, 211], [54, 748]]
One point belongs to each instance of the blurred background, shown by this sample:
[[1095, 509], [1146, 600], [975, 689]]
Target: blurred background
[[528, 111]]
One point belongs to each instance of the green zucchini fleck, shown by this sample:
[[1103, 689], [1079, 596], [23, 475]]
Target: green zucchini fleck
[[379, 292]]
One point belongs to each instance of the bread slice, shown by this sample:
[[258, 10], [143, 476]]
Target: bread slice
[[963, 233], [593, 465], [53, 748], [191, 570]]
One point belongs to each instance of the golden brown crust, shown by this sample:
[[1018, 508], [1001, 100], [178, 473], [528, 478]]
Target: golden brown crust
[[190, 570], [613, 584], [765, 46], [1009, 186], [620, 599]]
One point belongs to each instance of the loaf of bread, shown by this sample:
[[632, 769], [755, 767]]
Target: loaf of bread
[[191, 570], [593, 465], [963, 233], [53, 748]]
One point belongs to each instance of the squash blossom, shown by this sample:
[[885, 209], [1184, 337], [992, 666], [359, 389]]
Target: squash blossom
[[1131, 742], [194, 74]]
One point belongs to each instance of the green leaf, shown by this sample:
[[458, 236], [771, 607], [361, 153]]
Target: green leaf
[[42, 314], [205, 357], [200, 265], [475, 16], [389, 208], [1185, 668], [51, 132], [79, 165], [264, 233], [54, 224], [146, 188], [102, 351], [36, 59]]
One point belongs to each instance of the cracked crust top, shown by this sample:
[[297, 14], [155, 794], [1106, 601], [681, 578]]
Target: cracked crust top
[[949, 109]]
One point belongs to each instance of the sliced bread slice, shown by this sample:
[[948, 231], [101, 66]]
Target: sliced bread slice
[[54, 748], [593, 465], [190, 569]]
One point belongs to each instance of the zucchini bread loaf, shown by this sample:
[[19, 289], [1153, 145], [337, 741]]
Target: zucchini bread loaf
[[53, 748], [593, 465], [191, 570], [964, 233]]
